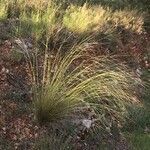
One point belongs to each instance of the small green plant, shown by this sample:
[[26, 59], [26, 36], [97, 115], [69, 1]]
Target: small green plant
[[83, 19], [138, 119]]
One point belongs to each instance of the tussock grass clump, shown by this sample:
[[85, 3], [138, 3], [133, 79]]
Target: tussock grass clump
[[36, 22], [129, 19], [74, 80], [82, 19], [3, 10]]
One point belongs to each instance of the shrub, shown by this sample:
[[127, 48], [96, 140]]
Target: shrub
[[114, 4]]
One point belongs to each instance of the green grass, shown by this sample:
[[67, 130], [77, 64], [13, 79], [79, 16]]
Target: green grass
[[137, 131], [36, 22], [138, 118], [139, 141], [139, 114], [82, 19], [137, 127]]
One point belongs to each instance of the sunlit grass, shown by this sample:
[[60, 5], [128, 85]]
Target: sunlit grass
[[85, 18], [82, 19], [3, 10], [129, 19]]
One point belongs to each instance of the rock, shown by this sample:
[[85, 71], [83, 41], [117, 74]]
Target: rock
[[87, 123]]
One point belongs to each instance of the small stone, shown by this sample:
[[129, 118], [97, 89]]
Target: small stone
[[4, 129], [87, 123], [3, 69], [36, 135], [139, 72], [7, 71]]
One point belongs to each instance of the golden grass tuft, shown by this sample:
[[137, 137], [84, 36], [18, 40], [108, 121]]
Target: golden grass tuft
[[96, 82]]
